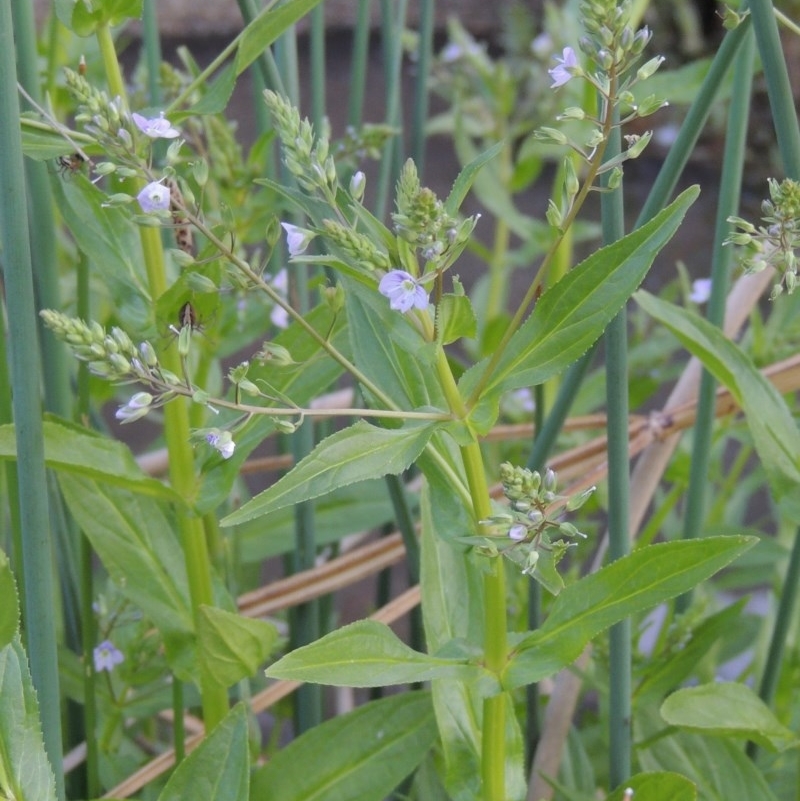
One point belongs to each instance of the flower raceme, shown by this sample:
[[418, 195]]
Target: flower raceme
[[404, 291]]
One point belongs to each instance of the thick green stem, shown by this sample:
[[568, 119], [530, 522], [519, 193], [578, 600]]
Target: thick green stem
[[37, 552], [493, 756]]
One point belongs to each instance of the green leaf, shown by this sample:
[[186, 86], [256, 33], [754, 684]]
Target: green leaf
[[570, 316], [266, 28], [25, 773], [389, 350], [75, 449], [219, 768], [664, 674], [364, 754], [467, 176], [661, 786], [355, 454], [215, 98], [44, 144], [727, 709], [367, 654], [349, 510], [232, 647], [138, 547], [633, 583], [112, 243], [775, 433], [720, 768], [455, 319], [9, 603]]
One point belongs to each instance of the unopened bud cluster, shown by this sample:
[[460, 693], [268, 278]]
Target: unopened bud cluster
[[113, 356], [535, 521], [774, 243], [356, 247], [306, 155], [422, 220]]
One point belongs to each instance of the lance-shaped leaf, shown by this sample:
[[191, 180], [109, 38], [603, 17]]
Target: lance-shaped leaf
[[367, 654], [9, 608], [267, 27], [137, 544], [77, 450], [639, 581], [355, 454], [727, 709], [219, 768], [232, 647], [364, 754], [775, 433], [25, 772], [569, 317]]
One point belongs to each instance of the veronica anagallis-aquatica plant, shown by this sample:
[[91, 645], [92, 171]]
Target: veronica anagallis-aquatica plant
[[389, 316]]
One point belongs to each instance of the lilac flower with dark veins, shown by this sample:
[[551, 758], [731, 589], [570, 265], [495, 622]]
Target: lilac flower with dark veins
[[221, 441], [566, 69], [155, 127], [404, 291], [106, 656], [154, 197]]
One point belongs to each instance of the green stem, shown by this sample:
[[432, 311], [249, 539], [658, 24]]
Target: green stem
[[493, 738], [37, 553], [721, 264], [358, 71], [391, 32], [781, 99], [616, 342], [116, 84]]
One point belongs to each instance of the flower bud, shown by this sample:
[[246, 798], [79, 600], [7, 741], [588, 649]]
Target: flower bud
[[285, 426], [646, 70], [200, 172], [357, 184], [148, 354]]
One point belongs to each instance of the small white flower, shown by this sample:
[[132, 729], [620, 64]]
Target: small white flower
[[221, 441], [138, 406], [701, 290], [154, 197], [297, 239], [566, 68], [106, 656], [403, 290], [155, 127]]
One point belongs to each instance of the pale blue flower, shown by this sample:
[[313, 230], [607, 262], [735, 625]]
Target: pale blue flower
[[566, 68], [154, 197], [701, 290], [155, 127], [297, 239], [280, 283], [106, 656], [221, 441], [403, 290]]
